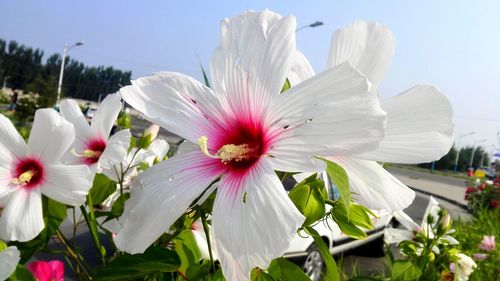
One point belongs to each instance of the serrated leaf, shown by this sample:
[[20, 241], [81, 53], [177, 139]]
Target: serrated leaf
[[308, 199], [359, 216], [347, 226], [340, 179], [102, 188], [282, 270], [131, 267]]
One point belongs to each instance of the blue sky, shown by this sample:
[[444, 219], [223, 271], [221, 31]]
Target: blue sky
[[454, 45]]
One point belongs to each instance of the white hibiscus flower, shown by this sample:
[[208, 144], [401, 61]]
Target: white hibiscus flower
[[93, 144], [246, 130], [419, 125], [29, 170]]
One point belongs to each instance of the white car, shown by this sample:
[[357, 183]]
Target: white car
[[303, 251]]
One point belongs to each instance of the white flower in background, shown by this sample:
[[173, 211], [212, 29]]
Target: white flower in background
[[395, 235], [93, 144], [419, 125], [9, 258], [464, 266], [28, 171], [201, 239], [246, 130]]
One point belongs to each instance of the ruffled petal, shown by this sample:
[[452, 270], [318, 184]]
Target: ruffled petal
[[9, 258], [368, 46], [12, 144], [252, 62], [106, 115], [178, 103], [160, 195], [395, 235], [51, 136], [373, 186], [406, 221], [334, 112], [254, 221], [68, 184], [419, 127], [301, 69], [72, 113], [22, 218], [116, 150]]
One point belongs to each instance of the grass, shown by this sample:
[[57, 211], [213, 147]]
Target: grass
[[458, 175]]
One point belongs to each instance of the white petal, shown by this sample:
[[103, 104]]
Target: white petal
[[106, 115], [187, 146], [368, 46], [201, 240], [68, 184], [296, 163], [22, 218], [9, 258], [373, 186], [253, 60], [72, 113], [406, 221], [301, 69], [157, 149], [160, 195], [116, 149], [419, 127], [254, 221], [51, 136], [6, 186], [177, 103], [395, 235], [433, 210], [332, 113], [12, 144]]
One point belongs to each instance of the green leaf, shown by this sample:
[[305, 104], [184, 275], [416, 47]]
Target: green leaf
[[347, 226], [332, 272], [339, 178], [102, 188], [259, 275], [187, 249], [282, 270], [198, 272], [118, 206], [54, 214], [359, 216], [205, 77], [286, 86], [218, 276], [3, 246], [132, 267], [405, 271], [21, 274], [308, 198]]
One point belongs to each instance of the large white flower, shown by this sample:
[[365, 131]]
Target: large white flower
[[9, 258], [247, 130], [28, 171], [93, 145], [419, 120], [464, 267]]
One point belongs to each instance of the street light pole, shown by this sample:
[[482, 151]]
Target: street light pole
[[484, 153], [458, 148], [474, 151], [61, 73], [314, 24]]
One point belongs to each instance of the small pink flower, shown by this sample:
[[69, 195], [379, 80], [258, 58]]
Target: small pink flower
[[488, 243], [47, 271], [452, 267], [479, 256]]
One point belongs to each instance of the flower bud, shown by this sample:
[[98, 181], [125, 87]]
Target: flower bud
[[148, 136], [446, 221]]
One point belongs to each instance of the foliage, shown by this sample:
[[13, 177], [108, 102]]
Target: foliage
[[483, 195], [26, 71], [27, 105]]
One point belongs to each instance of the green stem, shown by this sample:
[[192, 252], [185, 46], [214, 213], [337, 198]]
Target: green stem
[[207, 235], [90, 219], [74, 255]]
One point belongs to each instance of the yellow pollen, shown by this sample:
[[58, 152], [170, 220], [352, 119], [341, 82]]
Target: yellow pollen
[[87, 153], [228, 152], [24, 178]]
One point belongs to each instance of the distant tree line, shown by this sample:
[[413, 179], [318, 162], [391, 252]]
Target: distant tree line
[[23, 68], [447, 162]]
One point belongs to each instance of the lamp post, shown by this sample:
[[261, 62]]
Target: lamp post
[[474, 150], [61, 73], [484, 153], [458, 148], [314, 24]]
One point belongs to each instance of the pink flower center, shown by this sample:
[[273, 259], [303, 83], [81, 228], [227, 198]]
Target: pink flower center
[[93, 152], [242, 146], [28, 172]]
